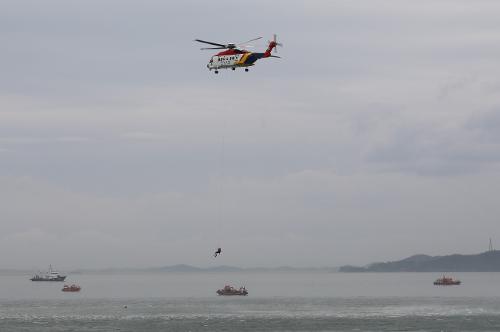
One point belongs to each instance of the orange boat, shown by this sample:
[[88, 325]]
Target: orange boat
[[72, 288], [446, 281]]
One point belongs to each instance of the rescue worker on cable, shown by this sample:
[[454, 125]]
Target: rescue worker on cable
[[217, 252]]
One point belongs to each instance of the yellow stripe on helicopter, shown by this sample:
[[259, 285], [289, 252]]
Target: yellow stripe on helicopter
[[243, 59]]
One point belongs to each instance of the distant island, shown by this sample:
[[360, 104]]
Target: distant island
[[488, 261]]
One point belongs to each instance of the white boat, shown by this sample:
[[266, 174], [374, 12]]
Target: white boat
[[50, 275]]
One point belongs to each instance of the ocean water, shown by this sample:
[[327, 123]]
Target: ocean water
[[277, 302]]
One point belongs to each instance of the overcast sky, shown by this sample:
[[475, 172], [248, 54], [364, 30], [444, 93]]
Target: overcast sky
[[375, 137]]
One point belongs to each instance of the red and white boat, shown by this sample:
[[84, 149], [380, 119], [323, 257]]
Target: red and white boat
[[446, 281], [72, 288], [230, 290]]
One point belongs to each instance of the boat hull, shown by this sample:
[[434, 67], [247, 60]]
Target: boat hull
[[59, 278], [232, 294], [437, 283]]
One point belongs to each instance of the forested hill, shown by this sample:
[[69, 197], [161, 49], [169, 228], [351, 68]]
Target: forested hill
[[485, 262]]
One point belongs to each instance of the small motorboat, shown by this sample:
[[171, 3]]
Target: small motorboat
[[230, 290], [72, 288], [446, 281]]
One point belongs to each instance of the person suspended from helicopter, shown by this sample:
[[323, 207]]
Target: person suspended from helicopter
[[217, 252]]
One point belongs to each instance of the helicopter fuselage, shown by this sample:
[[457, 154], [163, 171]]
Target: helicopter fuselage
[[234, 58]]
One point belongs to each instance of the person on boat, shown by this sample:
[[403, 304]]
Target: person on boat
[[217, 252]]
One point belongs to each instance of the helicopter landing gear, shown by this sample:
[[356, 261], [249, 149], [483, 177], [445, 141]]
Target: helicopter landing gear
[[246, 69]]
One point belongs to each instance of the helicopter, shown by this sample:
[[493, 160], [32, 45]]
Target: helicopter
[[233, 57]]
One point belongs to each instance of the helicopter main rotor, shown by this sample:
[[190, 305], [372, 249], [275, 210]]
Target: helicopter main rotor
[[228, 46]]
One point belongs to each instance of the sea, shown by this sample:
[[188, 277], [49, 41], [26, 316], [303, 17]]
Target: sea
[[277, 301]]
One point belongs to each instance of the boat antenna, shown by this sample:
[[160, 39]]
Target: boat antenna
[[491, 246]]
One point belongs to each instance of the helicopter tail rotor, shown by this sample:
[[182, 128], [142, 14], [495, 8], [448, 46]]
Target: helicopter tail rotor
[[275, 42], [272, 46]]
